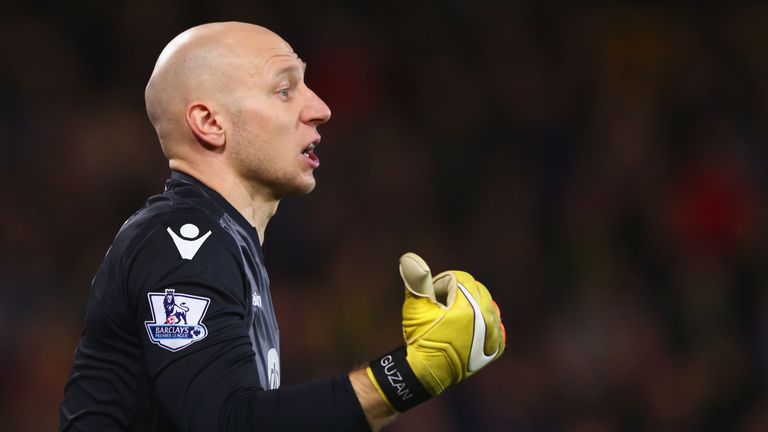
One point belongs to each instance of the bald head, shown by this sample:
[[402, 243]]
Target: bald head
[[199, 65]]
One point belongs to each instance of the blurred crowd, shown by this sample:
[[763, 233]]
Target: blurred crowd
[[602, 169]]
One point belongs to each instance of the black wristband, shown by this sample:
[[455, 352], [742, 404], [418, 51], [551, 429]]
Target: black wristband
[[397, 380]]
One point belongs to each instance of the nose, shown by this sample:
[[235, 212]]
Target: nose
[[315, 111]]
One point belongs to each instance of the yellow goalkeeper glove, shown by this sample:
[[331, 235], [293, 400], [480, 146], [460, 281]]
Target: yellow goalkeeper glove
[[452, 329]]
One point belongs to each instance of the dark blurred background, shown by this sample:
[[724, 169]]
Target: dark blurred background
[[601, 167]]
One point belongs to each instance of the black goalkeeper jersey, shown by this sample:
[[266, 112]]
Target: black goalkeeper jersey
[[180, 333]]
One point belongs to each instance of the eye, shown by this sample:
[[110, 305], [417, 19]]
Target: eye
[[284, 93]]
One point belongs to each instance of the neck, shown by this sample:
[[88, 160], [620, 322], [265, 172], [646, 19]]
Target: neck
[[255, 203]]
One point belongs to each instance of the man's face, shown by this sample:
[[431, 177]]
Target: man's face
[[274, 119]]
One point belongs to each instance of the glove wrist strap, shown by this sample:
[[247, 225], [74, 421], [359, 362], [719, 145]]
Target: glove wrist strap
[[397, 382]]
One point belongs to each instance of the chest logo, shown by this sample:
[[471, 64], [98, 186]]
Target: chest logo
[[176, 319], [273, 368], [187, 242]]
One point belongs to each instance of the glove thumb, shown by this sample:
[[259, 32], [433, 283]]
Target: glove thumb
[[418, 279]]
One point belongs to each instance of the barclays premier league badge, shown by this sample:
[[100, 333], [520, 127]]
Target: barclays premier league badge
[[176, 319]]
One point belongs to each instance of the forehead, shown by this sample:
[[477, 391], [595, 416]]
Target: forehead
[[277, 62], [267, 53]]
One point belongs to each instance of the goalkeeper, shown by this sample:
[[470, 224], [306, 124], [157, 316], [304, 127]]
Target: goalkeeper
[[180, 333]]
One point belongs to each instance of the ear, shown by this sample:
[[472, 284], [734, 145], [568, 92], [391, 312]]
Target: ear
[[206, 126]]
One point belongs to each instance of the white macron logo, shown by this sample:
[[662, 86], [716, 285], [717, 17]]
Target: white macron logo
[[187, 244], [477, 357]]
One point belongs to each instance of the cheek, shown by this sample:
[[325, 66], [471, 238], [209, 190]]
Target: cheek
[[274, 126], [277, 132], [268, 122], [265, 131], [262, 143]]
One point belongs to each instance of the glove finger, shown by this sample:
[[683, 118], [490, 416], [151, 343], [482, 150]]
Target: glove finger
[[445, 288], [503, 342], [492, 317]]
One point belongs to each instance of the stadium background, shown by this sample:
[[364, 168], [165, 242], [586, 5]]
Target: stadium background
[[601, 167]]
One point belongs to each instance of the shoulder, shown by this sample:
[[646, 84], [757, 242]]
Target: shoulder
[[172, 229], [173, 241]]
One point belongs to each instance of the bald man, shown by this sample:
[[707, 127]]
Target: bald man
[[180, 332]]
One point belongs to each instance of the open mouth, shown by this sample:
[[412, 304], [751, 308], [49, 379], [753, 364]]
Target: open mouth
[[310, 149], [309, 153]]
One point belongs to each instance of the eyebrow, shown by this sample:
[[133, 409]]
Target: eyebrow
[[292, 68]]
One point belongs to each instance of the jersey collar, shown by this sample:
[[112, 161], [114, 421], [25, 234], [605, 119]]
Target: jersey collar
[[180, 177]]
